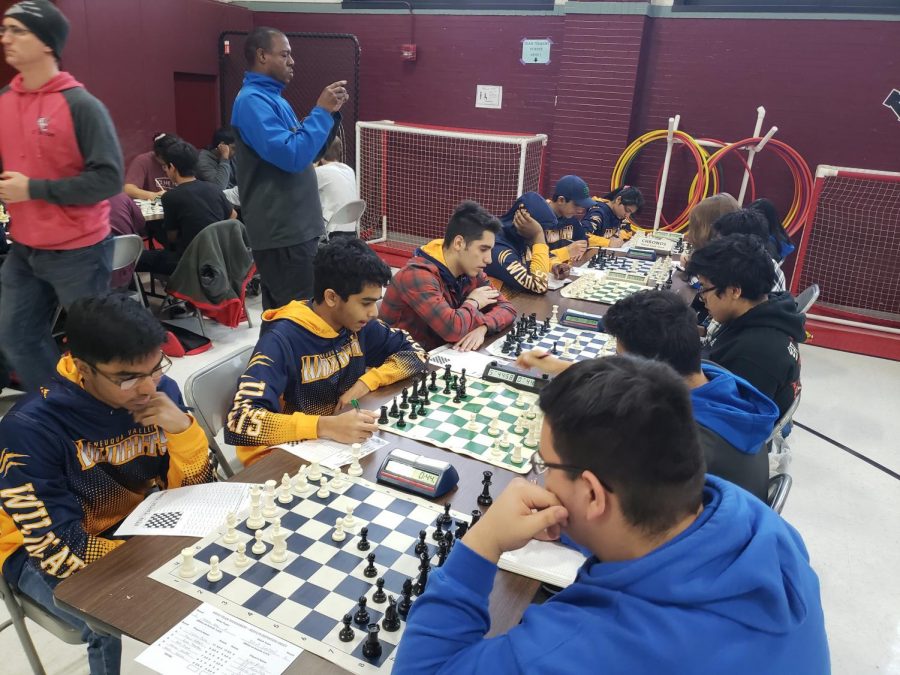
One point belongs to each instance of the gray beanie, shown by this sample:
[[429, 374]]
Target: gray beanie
[[43, 19]]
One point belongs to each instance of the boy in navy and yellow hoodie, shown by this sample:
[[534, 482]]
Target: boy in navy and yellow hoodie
[[443, 295], [59, 163], [79, 456], [687, 573], [315, 358]]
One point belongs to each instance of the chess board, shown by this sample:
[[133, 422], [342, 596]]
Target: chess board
[[151, 210], [304, 598], [445, 422], [583, 344], [595, 288]]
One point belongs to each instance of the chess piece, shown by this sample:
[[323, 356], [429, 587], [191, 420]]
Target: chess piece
[[363, 543], [379, 595], [461, 392], [355, 467], [421, 411], [433, 386], [299, 485], [349, 520], [187, 568], [554, 350], [362, 614], [496, 451], [338, 482], [394, 409], [404, 398], [447, 372], [315, 472], [518, 350], [442, 552], [401, 423], [231, 535], [456, 398], [259, 547], [241, 559], [472, 424], [554, 315], [531, 440], [517, 455], [421, 581], [323, 492], [504, 441], [284, 490], [461, 528], [214, 574], [338, 533], [346, 634], [519, 427], [445, 517], [269, 510], [405, 598], [372, 647], [279, 549], [391, 621], [449, 539], [413, 415], [255, 520], [370, 570], [476, 516], [446, 389], [454, 384], [384, 415], [438, 533], [421, 546]]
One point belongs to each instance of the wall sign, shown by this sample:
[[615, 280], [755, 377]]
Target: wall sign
[[489, 96], [536, 51], [893, 102]]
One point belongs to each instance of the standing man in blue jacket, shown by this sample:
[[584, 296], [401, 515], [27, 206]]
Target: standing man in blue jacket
[[274, 163], [688, 573]]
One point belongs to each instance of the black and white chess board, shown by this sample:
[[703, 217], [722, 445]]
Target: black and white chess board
[[304, 598], [164, 520]]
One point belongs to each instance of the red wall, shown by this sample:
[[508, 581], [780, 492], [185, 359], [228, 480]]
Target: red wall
[[126, 53]]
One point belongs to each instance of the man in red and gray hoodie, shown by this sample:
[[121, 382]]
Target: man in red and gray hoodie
[[59, 162]]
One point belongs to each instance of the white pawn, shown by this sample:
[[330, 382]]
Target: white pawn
[[494, 427], [349, 520], [231, 535], [241, 560], [299, 484], [259, 547], [315, 472], [337, 483], [504, 440], [517, 454], [187, 568], [519, 428], [496, 450], [275, 530], [472, 424], [323, 492], [284, 490], [269, 510], [355, 467], [214, 574], [338, 534], [531, 440], [279, 550]]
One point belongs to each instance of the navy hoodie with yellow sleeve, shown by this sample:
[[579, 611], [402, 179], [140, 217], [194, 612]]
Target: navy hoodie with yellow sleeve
[[300, 368], [71, 467]]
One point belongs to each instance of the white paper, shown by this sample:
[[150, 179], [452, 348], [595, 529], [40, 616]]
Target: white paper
[[192, 511], [489, 96], [331, 454], [473, 362], [210, 642], [555, 284], [546, 561]]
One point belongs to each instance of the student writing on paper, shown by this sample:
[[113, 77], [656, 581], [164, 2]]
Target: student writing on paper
[[689, 573]]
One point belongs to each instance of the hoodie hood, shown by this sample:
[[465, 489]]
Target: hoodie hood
[[301, 313], [432, 255], [60, 82], [779, 312], [738, 561], [734, 409]]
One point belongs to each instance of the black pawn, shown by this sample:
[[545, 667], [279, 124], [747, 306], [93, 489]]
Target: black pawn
[[445, 517], [421, 412], [370, 571], [456, 398], [379, 595], [446, 386], [424, 562], [485, 499], [421, 546], [363, 543], [401, 423], [421, 581], [425, 400], [442, 553], [462, 375], [476, 516], [518, 350], [404, 397], [405, 598], [372, 647], [384, 415], [423, 386], [449, 539], [454, 384], [347, 634], [391, 621], [433, 387], [554, 351], [395, 411], [413, 415], [362, 614], [461, 392], [438, 533]]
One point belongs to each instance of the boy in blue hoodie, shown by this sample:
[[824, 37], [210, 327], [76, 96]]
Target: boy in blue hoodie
[[76, 459], [734, 419], [314, 358], [521, 258], [688, 574]]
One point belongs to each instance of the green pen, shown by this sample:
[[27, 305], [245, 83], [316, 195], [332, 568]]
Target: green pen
[[355, 404]]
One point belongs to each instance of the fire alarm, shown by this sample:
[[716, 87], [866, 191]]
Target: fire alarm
[[408, 52]]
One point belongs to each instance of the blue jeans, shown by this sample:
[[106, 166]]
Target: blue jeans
[[32, 283], [104, 652]]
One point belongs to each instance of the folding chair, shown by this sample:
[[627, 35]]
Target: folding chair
[[21, 607], [807, 298], [779, 489], [346, 219], [210, 392]]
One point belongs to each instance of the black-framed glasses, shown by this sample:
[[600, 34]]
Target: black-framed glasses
[[539, 465], [131, 382], [701, 292], [15, 31]]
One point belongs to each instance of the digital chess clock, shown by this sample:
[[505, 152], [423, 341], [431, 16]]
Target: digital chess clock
[[583, 320], [418, 474], [518, 379]]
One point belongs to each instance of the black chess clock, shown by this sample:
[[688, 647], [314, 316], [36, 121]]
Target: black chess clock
[[418, 474], [518, 379]]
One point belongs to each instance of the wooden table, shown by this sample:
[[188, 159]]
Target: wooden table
[[116, 595]]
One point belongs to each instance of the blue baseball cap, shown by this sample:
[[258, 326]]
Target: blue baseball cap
[[574, 190]]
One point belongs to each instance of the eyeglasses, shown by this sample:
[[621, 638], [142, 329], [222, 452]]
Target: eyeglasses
[[131, 382], [701, 292], [15, 31], [539, 465]]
